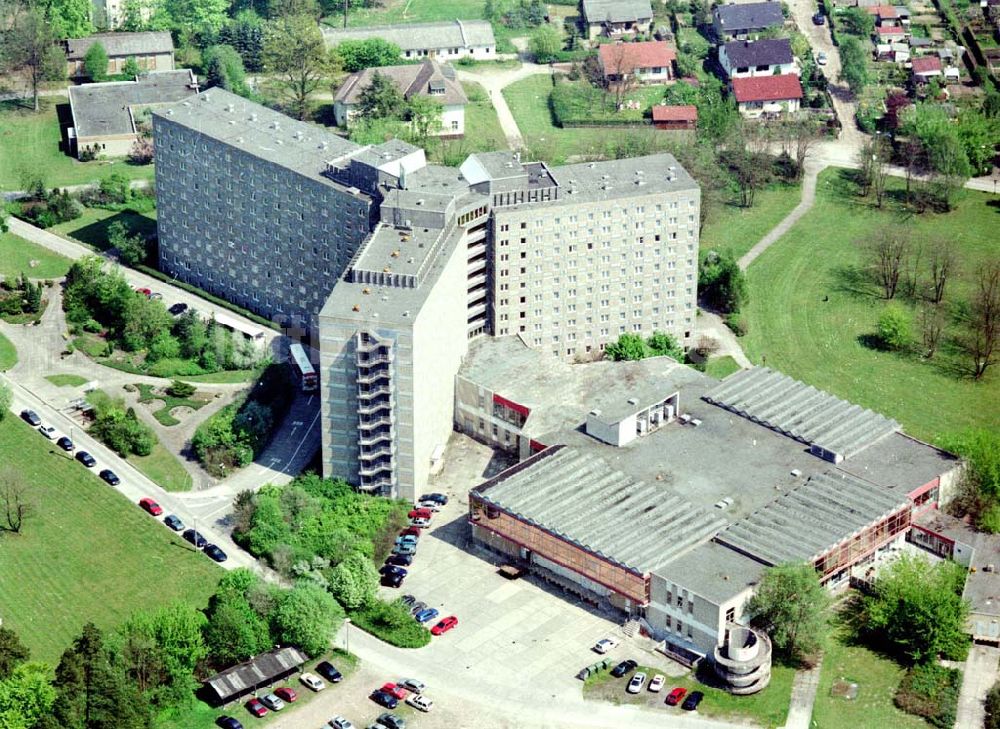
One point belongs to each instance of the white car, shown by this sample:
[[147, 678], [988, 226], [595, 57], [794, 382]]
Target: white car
[[273, 702], [635, 685], [420, 522], [419, 701], [605, 644], [48, 431], [312, 681], [339, 722], [821, 58], [657, 683], [432, 505], [412, 685]]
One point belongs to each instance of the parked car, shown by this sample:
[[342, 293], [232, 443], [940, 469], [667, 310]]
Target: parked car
[[178, 309], [393, 579], [821, 58], [151, 506], [195, 538], [605, 644], [436, 498], [636, 684], [691, 702], [339, 722], [256, 708], [624, 667], [432, 505], [156, 296], [48, 431], [312, 682], [819, 19], [144, 291], [286, 693], [411, 684], [426, 615], [391, 721], [86, 459], [417, 607], [214, 552], [400, 560], [228, 722], [407, 539], [415, 531], [65, 443], [383, 699], [444, 625], [391, 569], [421, 513], [657, 683], [108, 475], [407, 600], [174, 522], [395, 690], [328, 671], [405, 548], [420, 522], [676, 696], [31, 418], [419, 702], [273, 702]]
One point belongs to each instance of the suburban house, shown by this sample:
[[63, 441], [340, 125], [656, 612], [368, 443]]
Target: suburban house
[[153, 51], [892, 52], [109, 117], [890, 34], [616, 18], [757, 58], [767, 96], [885, 15], [741, 21], [683, 117], [445, 40], [646, 61], [429, 78], [926, 67]]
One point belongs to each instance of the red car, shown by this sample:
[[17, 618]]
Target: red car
[[675, 696], [411, 531], [151, 506], [445, 625], [395, 690], [145, 292], [256, 708], [421, 514], [286, 694]]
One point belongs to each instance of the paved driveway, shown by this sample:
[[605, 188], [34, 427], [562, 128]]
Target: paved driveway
[[979, 675]]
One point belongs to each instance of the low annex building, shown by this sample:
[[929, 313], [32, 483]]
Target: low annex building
[[617, 18], [153, 51], [621, 496], [260, 671], [683, 117], [740, 21], [646, 61], [445, 41]]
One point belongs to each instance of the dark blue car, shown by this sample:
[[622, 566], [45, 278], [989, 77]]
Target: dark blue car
[[383, 698], [425, 615]]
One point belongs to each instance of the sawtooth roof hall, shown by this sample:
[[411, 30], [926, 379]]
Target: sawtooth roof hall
[[658, 480]]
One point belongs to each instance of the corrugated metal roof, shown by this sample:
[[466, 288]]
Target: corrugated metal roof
[[256, 672]]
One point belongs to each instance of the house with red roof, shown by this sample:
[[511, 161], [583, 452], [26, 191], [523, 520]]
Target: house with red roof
[[683, 117], [890, 34], [767, 96], [926, 67], [645, 61], [885, 15]]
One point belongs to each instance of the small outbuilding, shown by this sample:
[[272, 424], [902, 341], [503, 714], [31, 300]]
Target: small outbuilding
[[263, 670], [683, 117]]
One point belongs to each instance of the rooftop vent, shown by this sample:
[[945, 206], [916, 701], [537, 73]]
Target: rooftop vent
[[394, 254], [366, 290], [232, 122], [230, 108], [355, 308], [695, 422], [386, 270], [796, 472], [410, 259], [298, 134], [204, 96], [605, 177], [186, 103], [420, 201], [170, 112], [633, 401], [406, 313], [275, 125], [253, 117], [591, 165], [596, 412], [323, 145]]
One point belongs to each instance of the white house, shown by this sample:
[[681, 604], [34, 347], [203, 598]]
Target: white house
[[742, 59], [446, 41]]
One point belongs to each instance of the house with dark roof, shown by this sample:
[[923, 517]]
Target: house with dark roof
[[683, 117], [446, 40], [617, 18], [757, 58], [260, 671], [109, 117], [645, 61], [767, 96], [741, 21], [430, 78], [153, 51]]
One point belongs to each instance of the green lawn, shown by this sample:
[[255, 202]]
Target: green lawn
[[163, 467], [17, 254], [738, 229], [92, 227], [30, 143], [86, 553], [147, 393], [877, 679], [721, 367], [409, 11], [768, 707], [66, 380], [811, 317], [225, 377], [8, 355], [482, 130]]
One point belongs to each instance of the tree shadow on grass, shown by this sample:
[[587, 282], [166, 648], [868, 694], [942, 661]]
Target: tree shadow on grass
[[96, 233], [852, 280]]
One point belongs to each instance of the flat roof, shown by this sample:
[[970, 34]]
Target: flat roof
[[714, 572], [119, 44], [392, 250], [105, 109], [900, 462], [418, 36], [577, 496], [982, 588], [620, 178]]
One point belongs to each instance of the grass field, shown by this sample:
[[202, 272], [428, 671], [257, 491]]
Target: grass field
[[810, 317], [769, 708], [30, 143], [737, 229], [148, 394], [86, 553], [16, 255], [225, 377], [92, 227], [8, 355], [720, 367], [410, 11], [66, 380], [163, 467]]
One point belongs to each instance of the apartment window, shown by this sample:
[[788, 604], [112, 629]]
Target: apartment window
[[731, 615]]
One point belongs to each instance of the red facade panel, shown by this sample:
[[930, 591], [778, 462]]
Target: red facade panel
[[516, 407]]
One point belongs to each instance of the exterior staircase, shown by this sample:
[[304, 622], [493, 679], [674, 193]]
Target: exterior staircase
[[630, 628]]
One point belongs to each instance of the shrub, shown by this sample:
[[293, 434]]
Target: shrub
[[893, 328], [392, 622], [738, 324], [930, 691], [181, 389], [119, 428], [722, 283]]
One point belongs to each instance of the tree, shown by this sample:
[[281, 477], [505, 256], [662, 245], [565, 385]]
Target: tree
[[294, 50], [802, 137], [15, 502], [885, 252], [664, 345], [722, 282], [131, 249], [874, 161], [748, 158], [95, 62], [131, 67], [357, 55], [984, 324], [979, 488], [916, 609], [545, 44], [30, 46], [12, 652], [307, 617], [628, 347], [933, 320], [198, 15], [942, 261], [424, 114], [854, 64], [993, 708], [70, 18], [893, 328], [791, 605], [354, 581], [381, 99], [224, 68], [6, 399], [26, 696], [245, 33], [235, 631], [857, 21]]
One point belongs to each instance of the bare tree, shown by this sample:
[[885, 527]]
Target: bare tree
[[620, 76], [942, 261], [886, 252], [749, 159], [15, 503], [798, 140], [912, 266], [984, 325], [933, 320]]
